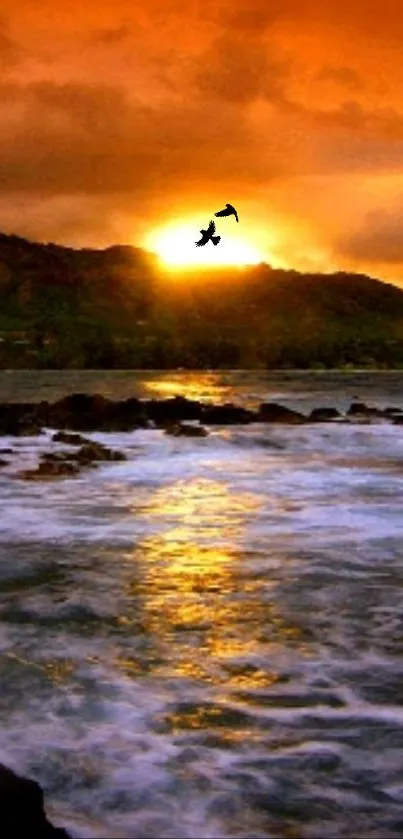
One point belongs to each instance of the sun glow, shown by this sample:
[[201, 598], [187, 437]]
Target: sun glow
[[175, 246]]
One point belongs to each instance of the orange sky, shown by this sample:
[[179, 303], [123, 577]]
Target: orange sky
[[123, 116]]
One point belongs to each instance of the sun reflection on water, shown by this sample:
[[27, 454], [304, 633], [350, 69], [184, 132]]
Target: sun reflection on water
[[56, 670], [205, 387], [204, 620], [199, 510]]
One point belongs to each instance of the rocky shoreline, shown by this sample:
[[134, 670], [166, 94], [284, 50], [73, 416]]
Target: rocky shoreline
[[22, 810], [85, 412], [177, 416]]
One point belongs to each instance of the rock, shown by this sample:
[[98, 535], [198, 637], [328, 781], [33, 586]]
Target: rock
[[57, 457], [273, 412], [3, 462], [22, 810], [173, 410], [324, 415], [50, 469], [70, 439], [360, 409], [79, 411], [82, 412], [393, 413], [357, 408], [19, 419], [19, 429], [66, 464], [180, 429], [27, 431], [227, 414], [6, 451], [126, 415], [95, 453]]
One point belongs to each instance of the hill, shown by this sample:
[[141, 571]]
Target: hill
[[116, 308]]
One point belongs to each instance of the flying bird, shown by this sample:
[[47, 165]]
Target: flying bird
[[207, 235], [229, 210]]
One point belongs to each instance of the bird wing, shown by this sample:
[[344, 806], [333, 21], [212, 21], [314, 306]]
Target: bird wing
[[201, 241], [221, 213], [211, 228]]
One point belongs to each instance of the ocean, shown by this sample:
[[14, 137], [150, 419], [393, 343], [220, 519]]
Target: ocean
[[206, 639]]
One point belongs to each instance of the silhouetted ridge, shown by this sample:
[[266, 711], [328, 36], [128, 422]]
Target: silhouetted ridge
[[117, 307]]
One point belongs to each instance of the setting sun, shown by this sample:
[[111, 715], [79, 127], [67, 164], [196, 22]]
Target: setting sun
[[175, 245]]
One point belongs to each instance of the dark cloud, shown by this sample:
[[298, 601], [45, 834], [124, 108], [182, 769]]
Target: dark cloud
[[93, 139], [254, 16], [75, 218], [377, 122], [352, 139], [379, 240], [343, 76], [355, 17], [346, 139], [352, 153], [11, 52], [239, 70], [111, 35]]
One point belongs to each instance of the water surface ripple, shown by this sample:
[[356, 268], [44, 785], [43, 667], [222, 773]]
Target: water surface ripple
[[206, 640]]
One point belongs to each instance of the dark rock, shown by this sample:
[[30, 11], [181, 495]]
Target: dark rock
[[20, 419], [50, 469], [14, 416], [173, 410], [70, 439], [180, 429], [126, 415], [27, 431], [273, 412], [3, 462], [15, 421], [360, 409], [59, 464], [6, 451], [82, 412], [79, 411], [227, 414], [57, 457], [22, 810], [393, 412], [324, 415], [95, 452]]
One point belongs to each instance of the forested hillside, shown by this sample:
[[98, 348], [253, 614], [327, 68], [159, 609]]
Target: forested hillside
[[116, 308]]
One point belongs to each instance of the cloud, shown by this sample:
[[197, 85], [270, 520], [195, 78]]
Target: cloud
[[116, 112], [11, 52], [378, 122], [239, 70], [253, 17], [94, 139], [344, 76], [379, 240], [111, 35]]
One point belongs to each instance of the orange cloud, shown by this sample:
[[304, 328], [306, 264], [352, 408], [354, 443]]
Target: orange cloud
[[117, 116]]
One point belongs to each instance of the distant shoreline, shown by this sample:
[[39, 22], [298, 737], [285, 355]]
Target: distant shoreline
[[200, 372]]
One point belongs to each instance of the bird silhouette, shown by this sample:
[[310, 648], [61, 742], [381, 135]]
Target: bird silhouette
[[208, 235], [229, 210]]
